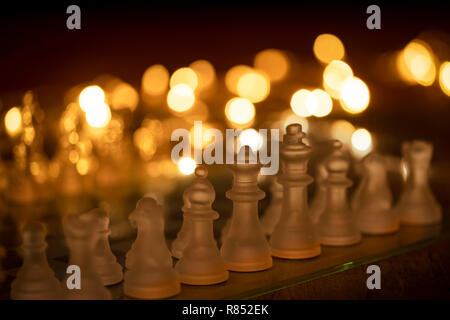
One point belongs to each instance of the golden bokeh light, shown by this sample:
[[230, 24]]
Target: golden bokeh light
[[233, 75], [323, 103], [124, 96], [251, 138], [240, 111], [328, 47], [181, 98], [205, 73], [303, 103], [144, 141], [355, 95], [186, 166], [444, 77], [361, 142], [184, 76], [91, 96], [418, 59], [272, 62], [334, 76], [342, 130], [98, 115], [13, 121], [254, 86], [206, 136], [155, 80]]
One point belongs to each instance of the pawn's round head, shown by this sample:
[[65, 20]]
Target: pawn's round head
[[337, 162], [201, 192], [146, 209], [374, 163], [33, 234], [294, 133]]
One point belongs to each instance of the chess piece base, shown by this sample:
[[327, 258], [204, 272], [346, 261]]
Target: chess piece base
[[164, 290], [340, 241], [201, 280], [249, 267], [421, 217], [296, 254]]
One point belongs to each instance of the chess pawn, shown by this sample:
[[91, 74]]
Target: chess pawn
[[336, 224], [245, 247], [320, 195], [201, 263], [105, 262], [372, 205], [273, 212], [81, 236], [35, 279], [150, 274], [181, 241], [294, 237], [417, 204]]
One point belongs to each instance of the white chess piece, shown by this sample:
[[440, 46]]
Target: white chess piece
[[201, 263], [35, 279], [81, 236], [272, 214], [372, 205], [245, 247], [150, 274], [320, 195], [294, 237], [105, 262], [336, 225], [181, 240], [417, 204]]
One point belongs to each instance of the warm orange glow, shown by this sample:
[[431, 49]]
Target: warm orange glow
[[274, 63], [323, 103], [328, 47], [251, 138], [444, 77], [233, 75], [254, 86], [184, 76], [334, 76], [13, 121], [303, 103], [181, 98], [91, 96], [355, 95], [361, 142], [419, 61], [98, 115], [144, 141], [124, 96], [205, 73], [155, 80], [342, 130], [240, 111], [186, 166]]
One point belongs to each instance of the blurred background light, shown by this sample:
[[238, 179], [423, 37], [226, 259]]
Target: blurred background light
[[251, 138], [342, 130], [155, 80], [181, 97], [334, 76], [124, 96], [444, 77], [184, 76], [240, 111], [99, 115], [417, 62], [303, 103], [91, 96], [186, 166], [13, 121], [254, 86], [205, 73], [361, 142], [328, 47], [274, 63], [324, 103], [355, 95], [233, 75]]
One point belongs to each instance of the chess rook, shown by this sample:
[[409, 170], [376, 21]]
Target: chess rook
[[417, 204], [372, 203], [150, 274], [201, 263], [81, 236], [294, 237], [181, 240], [245, 247], [35, 279], [105, 262], [336, 224], [272, 214]]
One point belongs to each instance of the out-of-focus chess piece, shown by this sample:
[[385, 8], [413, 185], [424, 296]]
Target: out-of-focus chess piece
[[245, 247], [35, 280], [319, 201], [201, 262], [150, 274], [336, 225], [417, 204], [182, 238], [105, 262], [81, 236], [372, 205], [2, 255], [295, 237], [272, 214]]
